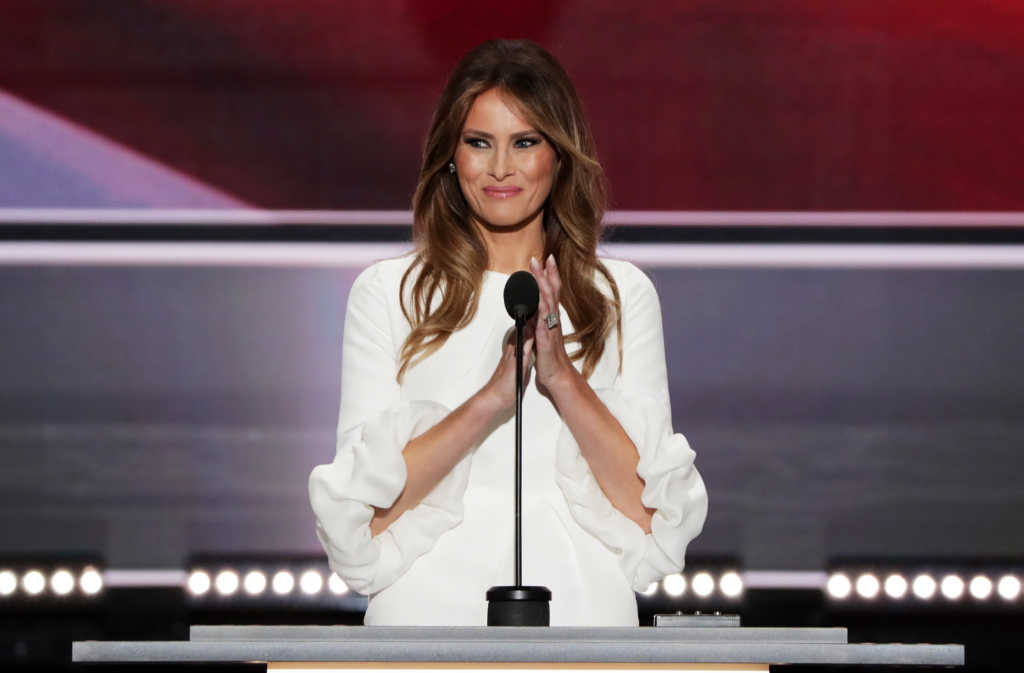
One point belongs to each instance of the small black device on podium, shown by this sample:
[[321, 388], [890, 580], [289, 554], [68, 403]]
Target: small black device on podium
[[518, 605]]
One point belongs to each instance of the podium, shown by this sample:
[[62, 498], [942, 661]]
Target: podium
[[372, 649]]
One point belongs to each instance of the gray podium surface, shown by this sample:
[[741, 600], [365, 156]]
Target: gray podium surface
[[555, 645], [565, 634]]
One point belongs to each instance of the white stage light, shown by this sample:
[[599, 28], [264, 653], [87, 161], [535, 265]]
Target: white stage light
[[731, 584], [980, 587], [838, 585], [651, 589], [867, 586], [255, 582], [336, 585], [311, 582], [923, 587], [1008, 587], [33, 582], [674, 584], [283, 582], [8, 582], [199, 582], [62, 582], [703, 584], [952, 587], [226, 582], [90, 581], [895, 586]]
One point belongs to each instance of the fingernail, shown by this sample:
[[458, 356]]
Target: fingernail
[[533, 262], [551, 258]]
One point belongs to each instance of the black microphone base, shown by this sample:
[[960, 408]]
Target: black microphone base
[[518, 606]]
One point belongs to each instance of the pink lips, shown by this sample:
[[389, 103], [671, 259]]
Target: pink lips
[[502, 192]]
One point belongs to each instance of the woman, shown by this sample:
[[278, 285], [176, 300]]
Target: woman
[[416, 509]]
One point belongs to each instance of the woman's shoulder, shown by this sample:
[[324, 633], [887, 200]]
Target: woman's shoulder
[[628, 276], [384, 275]]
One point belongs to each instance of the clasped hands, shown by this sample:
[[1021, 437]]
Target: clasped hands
[[543, 348]]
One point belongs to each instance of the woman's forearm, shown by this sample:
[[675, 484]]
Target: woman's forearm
[[433, 454], [607, 448]]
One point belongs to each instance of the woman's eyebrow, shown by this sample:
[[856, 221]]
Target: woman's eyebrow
[[488, 135]]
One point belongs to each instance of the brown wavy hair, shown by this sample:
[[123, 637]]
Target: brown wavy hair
[[451, 257]]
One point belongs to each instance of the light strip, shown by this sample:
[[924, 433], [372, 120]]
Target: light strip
[[202, 217], [650, 255], [823, 218], [752, 579], [690, 218], [355, 255], [819, 255]]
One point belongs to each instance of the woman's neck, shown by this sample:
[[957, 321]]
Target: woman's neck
[[509, 250]]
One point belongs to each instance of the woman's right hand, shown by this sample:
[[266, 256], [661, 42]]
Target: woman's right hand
[[502, 385]]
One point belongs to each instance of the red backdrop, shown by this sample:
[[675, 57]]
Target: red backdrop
[[769, 104]]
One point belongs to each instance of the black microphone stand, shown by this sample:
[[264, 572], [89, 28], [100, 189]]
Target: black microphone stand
[[519, 605]]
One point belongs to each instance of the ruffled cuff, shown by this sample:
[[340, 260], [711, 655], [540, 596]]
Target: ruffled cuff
[[673, 487], [369, 471]]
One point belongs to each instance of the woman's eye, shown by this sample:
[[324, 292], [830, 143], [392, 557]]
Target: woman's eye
[[520, 143]]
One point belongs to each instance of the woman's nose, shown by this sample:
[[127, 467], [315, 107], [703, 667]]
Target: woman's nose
[[501, 164]]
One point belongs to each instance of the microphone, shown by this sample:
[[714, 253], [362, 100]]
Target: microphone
[[521, 296], [517, 605]]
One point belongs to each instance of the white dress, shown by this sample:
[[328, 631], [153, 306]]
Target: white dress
[[435, 563]]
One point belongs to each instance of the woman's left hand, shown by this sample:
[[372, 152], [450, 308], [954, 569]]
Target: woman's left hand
[[552, 365]]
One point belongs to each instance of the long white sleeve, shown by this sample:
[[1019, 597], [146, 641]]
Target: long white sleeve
[[368, 470], [639, 400]]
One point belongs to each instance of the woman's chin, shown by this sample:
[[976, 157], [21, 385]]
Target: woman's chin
[[505, 219]]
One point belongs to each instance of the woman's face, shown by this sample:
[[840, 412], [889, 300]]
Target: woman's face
[[505, 166]]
